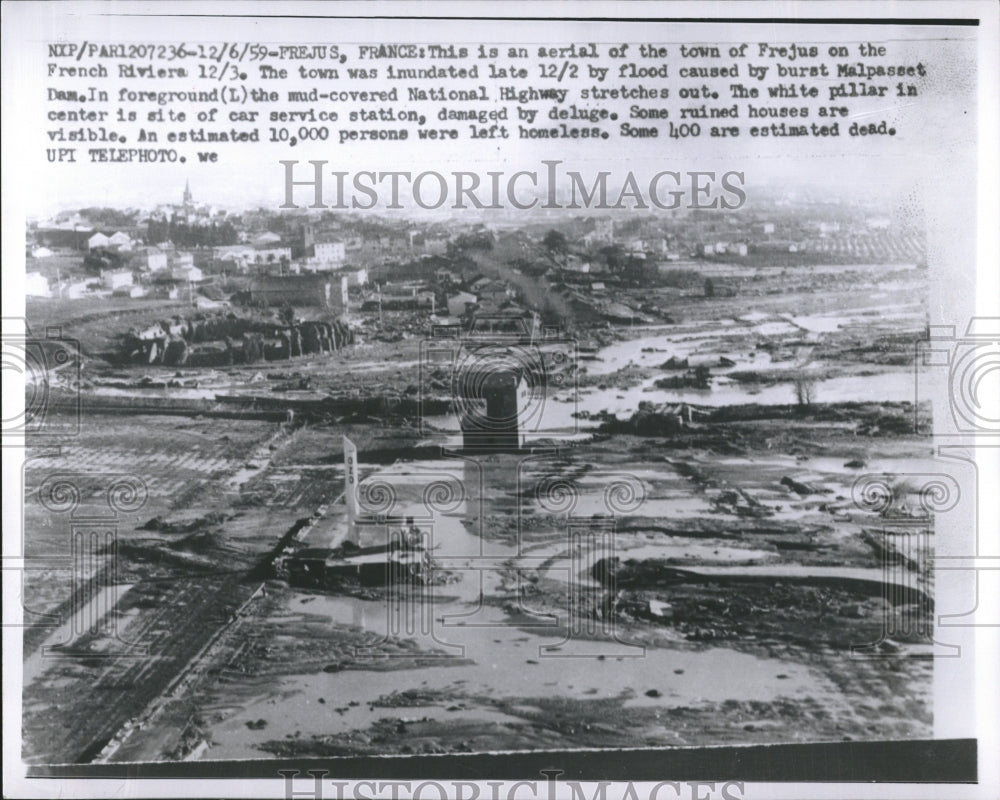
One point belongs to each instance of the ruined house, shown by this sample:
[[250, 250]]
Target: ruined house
[[299, 290], [493, 409]]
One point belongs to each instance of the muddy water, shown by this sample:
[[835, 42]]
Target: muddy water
[[513, 650], [558, 412], [554, 414], [92, 617], [736, 338], [493, 642]]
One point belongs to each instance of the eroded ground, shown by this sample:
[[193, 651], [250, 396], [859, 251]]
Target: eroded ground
[[566, 613]]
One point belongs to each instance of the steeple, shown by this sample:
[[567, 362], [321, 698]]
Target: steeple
[[187, 193]]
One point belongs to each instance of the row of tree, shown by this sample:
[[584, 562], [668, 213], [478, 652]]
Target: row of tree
[[184, 234]]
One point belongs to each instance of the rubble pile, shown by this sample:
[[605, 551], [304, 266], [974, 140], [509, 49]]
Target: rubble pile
[[226, 339], [665, 419]]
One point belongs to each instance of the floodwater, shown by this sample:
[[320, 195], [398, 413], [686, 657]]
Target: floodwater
[[553, 413], [493, 643], [556, 416], [508, 648], [95, 616]]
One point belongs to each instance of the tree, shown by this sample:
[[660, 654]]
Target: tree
[[555, 242], [480, 239], [805, 391], [709, 288], [614, 256]]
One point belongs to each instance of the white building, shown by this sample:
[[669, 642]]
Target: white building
[[330, 253], [435, 247], [266, 238], [98, 240], [117, 279], [36, 285], [356, 276], [267, 254], [239, 255], [457, 303], [187, 273], [77, 289], [151, 259], [576, 264], [182, 259], [121, 241]]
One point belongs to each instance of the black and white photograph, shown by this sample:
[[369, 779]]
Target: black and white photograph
[[559, 400]]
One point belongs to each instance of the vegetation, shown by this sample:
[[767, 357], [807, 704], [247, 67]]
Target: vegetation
[[184, 235], [681, 278], [805, 391]]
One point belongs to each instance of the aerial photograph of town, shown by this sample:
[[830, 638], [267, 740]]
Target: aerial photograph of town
[[312, 483]]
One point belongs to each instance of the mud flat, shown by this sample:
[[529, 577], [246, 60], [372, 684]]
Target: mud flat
[[522, 646], [660, 654]]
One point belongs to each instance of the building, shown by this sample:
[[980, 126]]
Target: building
[[356, 276], [181, 258], [401, 298], [77, 289], [121, 241], [117, 279], [271, 254], [377, 565], [509, 326], [186, 273], [307, 234], [150, 259], [458, 303], [329, 253], [491, 290], [237, 256], [266, 238], [493, 407], [435, 246], [97, 241], [299, 290], [446, 276], [36, 285]]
